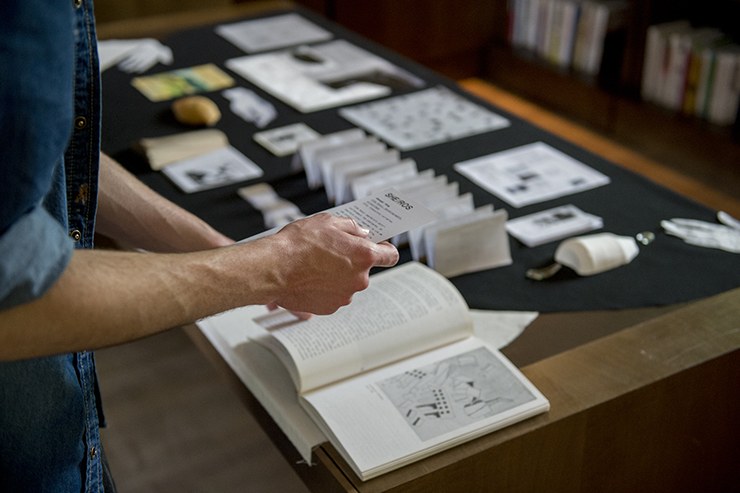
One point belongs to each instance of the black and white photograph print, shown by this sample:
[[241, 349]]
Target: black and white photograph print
[[213, 169]]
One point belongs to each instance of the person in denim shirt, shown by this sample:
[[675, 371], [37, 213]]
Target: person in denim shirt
[[60, 298]]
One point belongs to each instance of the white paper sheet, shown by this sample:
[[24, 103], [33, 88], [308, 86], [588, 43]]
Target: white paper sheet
[[272, 33], [424, 118], [318, 77], [530, 174]]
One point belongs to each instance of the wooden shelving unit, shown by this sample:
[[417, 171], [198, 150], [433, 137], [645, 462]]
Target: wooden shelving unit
[[612, 104]]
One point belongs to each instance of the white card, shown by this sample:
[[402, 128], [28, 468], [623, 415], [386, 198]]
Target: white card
[[304, 157], [326, 159], [424, 118], [445, 209], [384, 178], [286, 140], [343, 172], [272, 33], [436, 191], [211, 170], [530, 174], [384, 215], [323, 159], [421, 179], [552, 224]]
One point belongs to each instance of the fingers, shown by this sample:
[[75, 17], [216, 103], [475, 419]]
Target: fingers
[[384, 254], [349, 225], [326, 260], [728, 220], [272, 306], [387, 254]]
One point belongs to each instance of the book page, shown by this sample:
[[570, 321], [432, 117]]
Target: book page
[[406, 310], [233, 335], [403, 412]]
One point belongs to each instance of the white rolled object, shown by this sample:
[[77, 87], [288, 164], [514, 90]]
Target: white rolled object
[[593, 254]]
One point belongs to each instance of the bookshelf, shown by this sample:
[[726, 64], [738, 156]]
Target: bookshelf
[[611, 102]]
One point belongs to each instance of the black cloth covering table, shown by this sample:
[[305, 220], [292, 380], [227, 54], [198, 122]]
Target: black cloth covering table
[[667, 271]]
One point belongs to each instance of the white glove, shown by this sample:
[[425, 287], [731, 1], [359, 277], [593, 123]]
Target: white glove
[[725, 236], [148, 52], [133, 55]]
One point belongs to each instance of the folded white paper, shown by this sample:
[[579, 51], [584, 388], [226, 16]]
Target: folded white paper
[[365, 185], [470, 243], [305, 160]]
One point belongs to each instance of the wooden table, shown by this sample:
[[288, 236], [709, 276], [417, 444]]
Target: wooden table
[[652, 406], [641, 400]]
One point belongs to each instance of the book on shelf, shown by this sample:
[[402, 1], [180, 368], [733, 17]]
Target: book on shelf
[[566, 33], [597, 20], [396, 376], [692, 70], [695, 45], [725, 88]]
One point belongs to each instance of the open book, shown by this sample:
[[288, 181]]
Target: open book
[[398, 374]]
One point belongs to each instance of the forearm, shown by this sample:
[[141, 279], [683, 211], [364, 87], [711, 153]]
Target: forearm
[[314, 265], [132, 213], [108, 297]]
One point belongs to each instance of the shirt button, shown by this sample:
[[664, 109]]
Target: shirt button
[[93, 452], [77, 3], [75, 234], [80, 122]]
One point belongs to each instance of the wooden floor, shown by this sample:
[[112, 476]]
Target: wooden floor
[[175, 425]]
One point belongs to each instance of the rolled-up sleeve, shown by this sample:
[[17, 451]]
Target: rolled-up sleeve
[[35, 252], [36, 82]]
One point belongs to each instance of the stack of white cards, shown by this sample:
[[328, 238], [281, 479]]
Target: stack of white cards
[[351, 165], [336, 160]]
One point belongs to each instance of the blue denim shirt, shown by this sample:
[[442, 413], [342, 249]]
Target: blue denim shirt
[[49, 149]]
